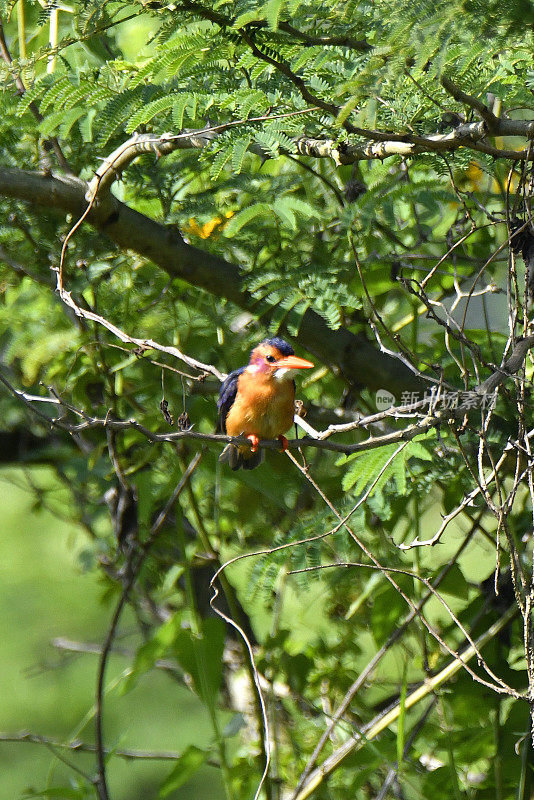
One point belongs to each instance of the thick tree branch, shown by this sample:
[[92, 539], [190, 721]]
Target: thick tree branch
[[357, 360]]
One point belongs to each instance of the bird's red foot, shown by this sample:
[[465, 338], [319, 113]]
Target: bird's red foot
[[253, 439], [283, 441]]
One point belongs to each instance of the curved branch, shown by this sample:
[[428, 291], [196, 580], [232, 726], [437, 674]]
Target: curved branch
[[143, 344], [112, 167], [380, 145], [165, 143]]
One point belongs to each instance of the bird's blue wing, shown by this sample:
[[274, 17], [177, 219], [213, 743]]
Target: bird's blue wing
[[227, 395]]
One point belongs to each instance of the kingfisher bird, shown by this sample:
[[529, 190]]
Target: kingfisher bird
[[258, 401]]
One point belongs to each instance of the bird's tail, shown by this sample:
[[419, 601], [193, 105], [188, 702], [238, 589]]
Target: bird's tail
[[238, 457]]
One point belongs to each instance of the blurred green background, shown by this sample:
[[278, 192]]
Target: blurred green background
[[50, 589], [45, 593]]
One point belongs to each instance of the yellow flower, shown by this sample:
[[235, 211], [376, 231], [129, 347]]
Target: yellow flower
[[213, 227]]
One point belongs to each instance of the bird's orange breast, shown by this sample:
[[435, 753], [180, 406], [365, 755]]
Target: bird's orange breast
[[263, 406]]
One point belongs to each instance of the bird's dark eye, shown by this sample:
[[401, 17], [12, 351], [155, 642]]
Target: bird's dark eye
[[270, 359]]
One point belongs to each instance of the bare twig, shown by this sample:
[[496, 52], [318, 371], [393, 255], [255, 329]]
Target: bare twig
[[465, 503], [422, 426], [77, 746], [318, 776], [144, 344], [499, 685], [394, 637], [136, 559]]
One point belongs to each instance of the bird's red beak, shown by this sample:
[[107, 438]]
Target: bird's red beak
[[293, 362]]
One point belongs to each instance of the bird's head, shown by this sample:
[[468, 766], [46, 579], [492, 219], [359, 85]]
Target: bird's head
[[276, 359]]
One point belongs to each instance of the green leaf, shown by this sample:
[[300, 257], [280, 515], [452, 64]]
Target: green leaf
[[151, 651], [219, 163], [185, 767], [69, 118], [272, 12], [178, 109], [370, 463], [254, 101], [347, 108], [301, 207], [245, 19], [50, 124], [201, 656], [285, 213], [454, 583], [365, 468], [32, 94], [418, 451], [269, 142], [239, 152], [158, 106], [245, 216]]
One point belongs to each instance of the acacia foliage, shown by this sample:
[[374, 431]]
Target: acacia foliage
[[360, 245]]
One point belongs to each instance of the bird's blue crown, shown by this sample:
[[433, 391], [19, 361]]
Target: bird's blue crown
[[281, 345]]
